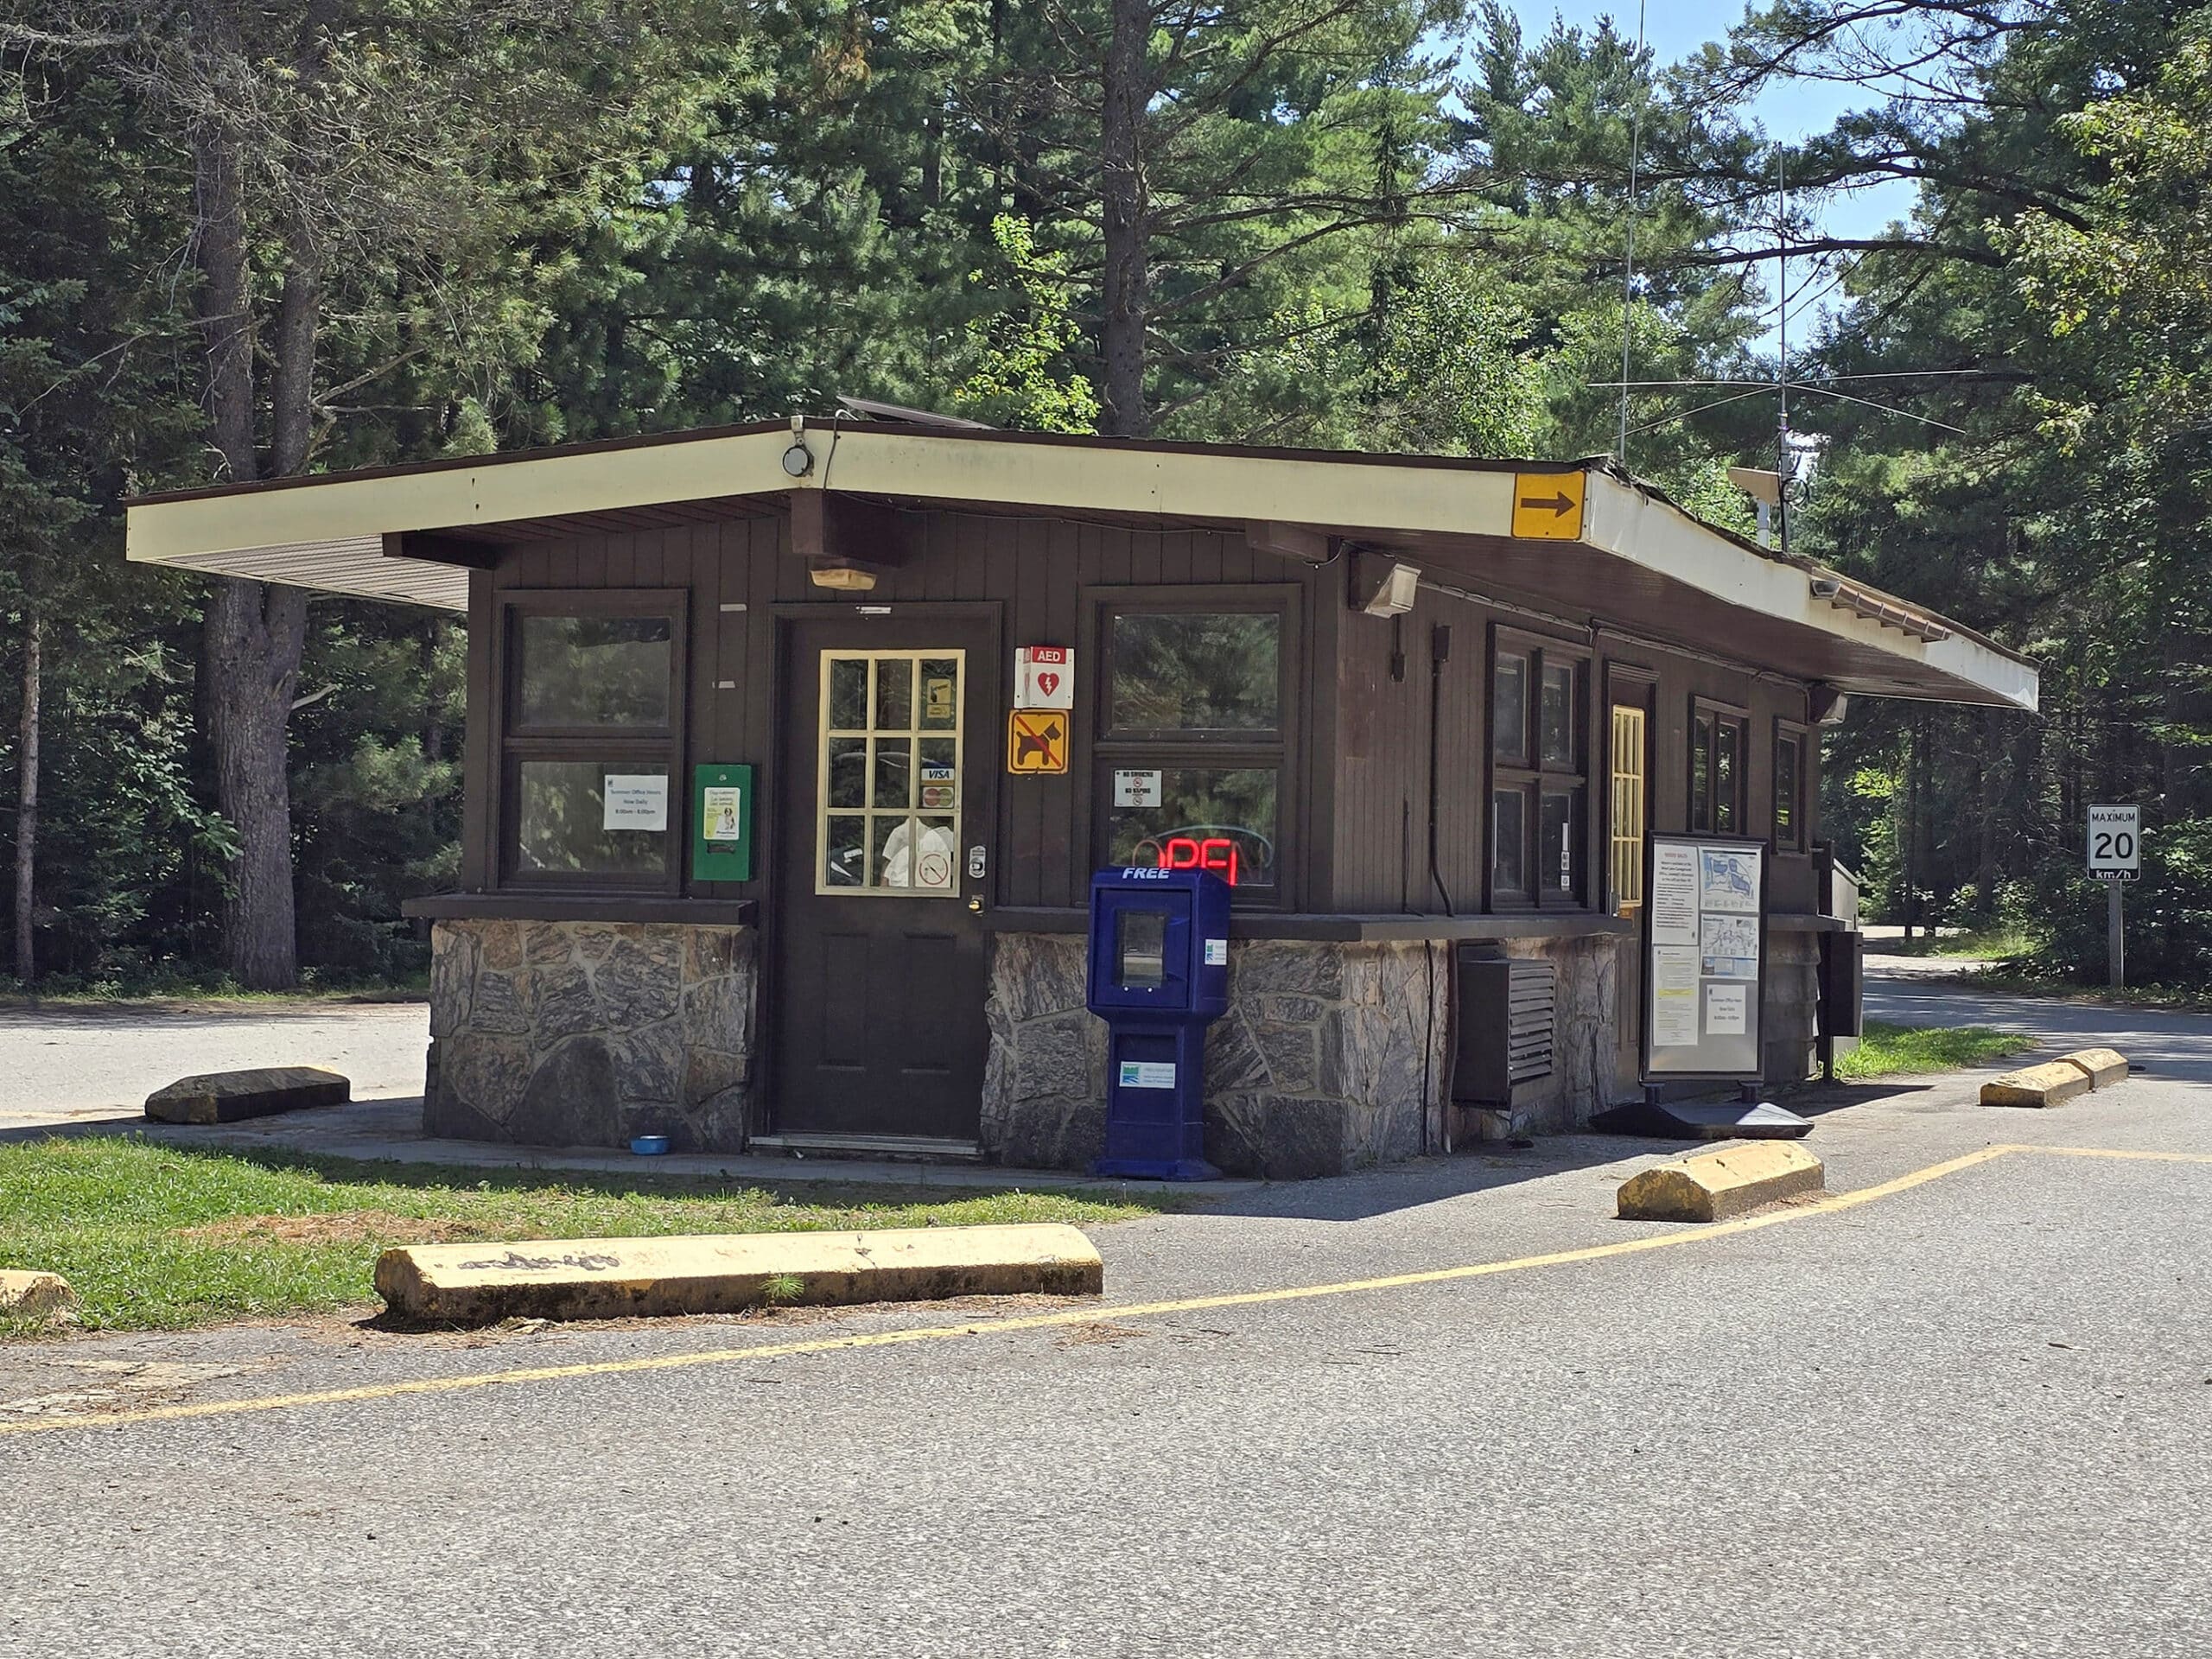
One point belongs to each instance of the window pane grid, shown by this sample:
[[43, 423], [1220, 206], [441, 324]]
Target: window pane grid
[[887, 805], [1627, 820]]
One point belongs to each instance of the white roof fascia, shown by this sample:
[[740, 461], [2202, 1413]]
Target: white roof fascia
[[1622, 519]]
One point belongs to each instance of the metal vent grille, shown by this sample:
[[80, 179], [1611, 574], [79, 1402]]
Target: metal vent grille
[[1531, 1017]]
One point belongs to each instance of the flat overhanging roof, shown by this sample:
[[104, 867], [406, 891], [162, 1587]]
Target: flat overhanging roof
[[1640, 563]]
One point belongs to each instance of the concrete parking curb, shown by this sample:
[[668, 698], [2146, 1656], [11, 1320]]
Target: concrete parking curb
[[261, 1091], [1718, 1184], [2051, 1084], [34, 1295], [616, 1277], [2103, 1066]]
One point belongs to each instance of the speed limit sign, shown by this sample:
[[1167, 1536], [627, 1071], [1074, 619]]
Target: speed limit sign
[[2116, 843]]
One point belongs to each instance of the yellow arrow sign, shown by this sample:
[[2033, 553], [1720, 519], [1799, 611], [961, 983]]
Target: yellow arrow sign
[[1548, 507]]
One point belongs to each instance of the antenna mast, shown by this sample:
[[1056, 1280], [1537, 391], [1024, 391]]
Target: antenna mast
[[1782, 348], [1628, 271]]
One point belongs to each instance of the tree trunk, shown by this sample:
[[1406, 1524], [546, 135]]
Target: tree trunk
[[254, 634], [1121, 189], [27, 802]]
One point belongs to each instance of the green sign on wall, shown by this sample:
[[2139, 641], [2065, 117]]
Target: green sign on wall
[[722, 814]]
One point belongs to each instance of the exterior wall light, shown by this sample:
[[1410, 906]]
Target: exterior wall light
[[838, 575]]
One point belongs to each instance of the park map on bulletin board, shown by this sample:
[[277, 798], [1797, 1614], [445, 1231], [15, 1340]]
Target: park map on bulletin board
[[1704, 958]]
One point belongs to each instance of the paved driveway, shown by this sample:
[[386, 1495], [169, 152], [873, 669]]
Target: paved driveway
[[1966, 1416], [80, 1061]]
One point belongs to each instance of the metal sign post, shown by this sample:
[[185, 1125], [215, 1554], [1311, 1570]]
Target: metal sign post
[[2115, 857]]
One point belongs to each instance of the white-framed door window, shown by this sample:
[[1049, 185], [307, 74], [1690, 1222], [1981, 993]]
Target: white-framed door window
[[889, 786]]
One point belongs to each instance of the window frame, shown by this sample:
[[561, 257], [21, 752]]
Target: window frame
[[1532, 776], [1628, 692], [1787, 731], [1735, 715], [1214, 750], [645, 746]]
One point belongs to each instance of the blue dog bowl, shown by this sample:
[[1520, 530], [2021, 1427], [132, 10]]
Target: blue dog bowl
[[649, 1146]]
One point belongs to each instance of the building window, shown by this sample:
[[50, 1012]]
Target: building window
[[1194, 735], [589, 736], [1626, 834], [1539, 782], [1790, 773], [891, 766], [1720, 746]]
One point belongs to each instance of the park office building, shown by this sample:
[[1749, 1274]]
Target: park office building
[[792, 749]]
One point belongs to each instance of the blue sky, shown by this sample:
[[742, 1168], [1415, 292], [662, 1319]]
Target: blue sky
[[1674, 29]]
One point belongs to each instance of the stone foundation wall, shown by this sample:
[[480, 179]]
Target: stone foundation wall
[[1586, 1074], [1332, 1057], [586, 1033]]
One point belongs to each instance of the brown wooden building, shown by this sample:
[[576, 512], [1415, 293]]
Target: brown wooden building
[[1428, 708]]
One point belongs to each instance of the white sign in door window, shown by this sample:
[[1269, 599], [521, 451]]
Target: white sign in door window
[[635, 800], [1136, 788]]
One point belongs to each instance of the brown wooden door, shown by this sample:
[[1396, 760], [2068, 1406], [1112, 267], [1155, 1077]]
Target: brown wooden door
[[890, 761]]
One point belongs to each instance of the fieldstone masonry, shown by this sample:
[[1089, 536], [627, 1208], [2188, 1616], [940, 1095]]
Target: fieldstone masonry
[[586, 1033], [1332, 1057]]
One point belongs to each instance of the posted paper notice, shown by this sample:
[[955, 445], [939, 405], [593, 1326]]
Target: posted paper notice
[[1726, 1010], [1674, 893], [1673, 996], [634, 801], [1729, 946]]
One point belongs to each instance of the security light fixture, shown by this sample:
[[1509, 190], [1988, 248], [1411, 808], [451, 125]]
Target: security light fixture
[[1384, 587], [799, 460]]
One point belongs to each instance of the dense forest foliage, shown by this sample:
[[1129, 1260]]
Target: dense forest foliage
[[245, 240]]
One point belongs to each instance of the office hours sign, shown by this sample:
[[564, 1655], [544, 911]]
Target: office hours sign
[[1705, 956]]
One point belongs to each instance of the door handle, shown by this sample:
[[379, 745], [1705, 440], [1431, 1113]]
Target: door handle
[[976, 904]]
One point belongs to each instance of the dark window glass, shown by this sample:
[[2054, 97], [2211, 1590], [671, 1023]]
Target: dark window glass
[[1141, 949], [1205, 817], [1509, 708], [1789, 754], [1509, 837], [1727, 775], [593, 671], [1556, 715], [1701, 773], [1559, 859], [562, 819], [1196, 671]]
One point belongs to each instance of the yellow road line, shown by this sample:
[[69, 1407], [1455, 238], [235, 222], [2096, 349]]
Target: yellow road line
[[1827, 1203]]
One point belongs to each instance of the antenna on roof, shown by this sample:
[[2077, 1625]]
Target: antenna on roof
[[1628, 269], [867, 408]]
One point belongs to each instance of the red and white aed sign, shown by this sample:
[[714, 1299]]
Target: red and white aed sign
[[1044, 676]]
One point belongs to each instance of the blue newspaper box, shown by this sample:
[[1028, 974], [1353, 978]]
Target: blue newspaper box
[[1159, 977]]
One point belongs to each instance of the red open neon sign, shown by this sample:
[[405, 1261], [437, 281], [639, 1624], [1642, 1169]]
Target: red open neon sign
[[1215, 853]]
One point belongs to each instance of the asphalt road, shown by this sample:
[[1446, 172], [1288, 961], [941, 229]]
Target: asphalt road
[[1969, 1417], [75, 1062]]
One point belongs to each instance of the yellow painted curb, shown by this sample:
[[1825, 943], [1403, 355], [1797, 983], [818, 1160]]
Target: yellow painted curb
[[2103, 1066], [1718, 1184], [34, 1295], [618, 1278], [2051, 1084]]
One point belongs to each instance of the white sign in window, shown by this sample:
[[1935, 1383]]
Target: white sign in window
[[1136, 788], [634, 801]]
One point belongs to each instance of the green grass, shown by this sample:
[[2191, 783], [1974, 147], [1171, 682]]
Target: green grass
[[154, 1238], [2179, 999], [1992, 943], [1889, 1051]]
